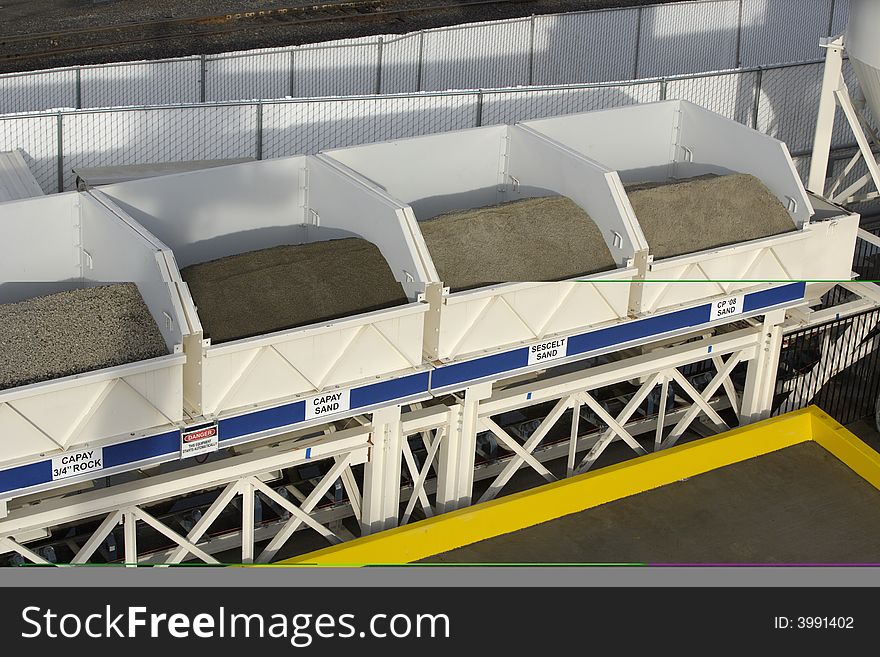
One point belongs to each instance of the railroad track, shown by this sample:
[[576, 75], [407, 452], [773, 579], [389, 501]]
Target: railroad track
[[28, 47]]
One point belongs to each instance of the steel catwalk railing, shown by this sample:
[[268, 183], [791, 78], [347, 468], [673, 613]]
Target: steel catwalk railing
[[632, 42], [835, 365], [779, 100]]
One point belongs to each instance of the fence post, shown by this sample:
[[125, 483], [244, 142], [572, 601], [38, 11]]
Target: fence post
[[59, 135], [663, 89], [421, 57], [739, 28], [531, 50], [292, 63], [258, 119], [831, 19], [203, 70], [479, 108], [638, 43], [78, 102], [759, 78], [379, 49]]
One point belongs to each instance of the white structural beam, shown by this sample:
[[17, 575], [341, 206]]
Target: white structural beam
[[97, 538], [140, 514], [246, 490], [528, 447], [207, 519], [129, 532], [661, 413], [10, 545], [701, 400], [381, 494], [573, 438], [615, 426], [832, 77], [760, 384], [528, 394], [422, 476], [103, 501], [455, 467]]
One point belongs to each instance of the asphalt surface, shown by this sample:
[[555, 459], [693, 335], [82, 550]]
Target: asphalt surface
[[22, 17], [797, 505]]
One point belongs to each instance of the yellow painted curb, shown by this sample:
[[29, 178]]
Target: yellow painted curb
[[501, 516]]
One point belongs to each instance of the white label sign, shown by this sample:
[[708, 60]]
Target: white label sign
[[72, 464], [328, 403], [203, 439], [544, 351], [726, 307]]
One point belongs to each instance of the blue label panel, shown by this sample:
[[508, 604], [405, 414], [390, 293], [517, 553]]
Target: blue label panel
[[376, 393], [270, 418], [142, 449], [774, 296], [478, 368], [25, 476]]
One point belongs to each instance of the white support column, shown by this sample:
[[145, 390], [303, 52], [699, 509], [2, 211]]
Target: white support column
[[4, 510], [247, 522], [447, 463], [381, 497], [761, 374], [661, 413], [455, 469], [129, 533], [573, 438], [468, 443], [831, 79]]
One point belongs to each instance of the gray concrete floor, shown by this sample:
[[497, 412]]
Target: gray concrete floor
[[798, 505]]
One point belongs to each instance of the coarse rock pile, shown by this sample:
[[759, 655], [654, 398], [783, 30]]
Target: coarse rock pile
[[75, 332]]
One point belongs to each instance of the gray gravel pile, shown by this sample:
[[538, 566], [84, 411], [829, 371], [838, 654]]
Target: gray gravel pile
[[547, 238], [288, 286], [75, 332], [704, 212]]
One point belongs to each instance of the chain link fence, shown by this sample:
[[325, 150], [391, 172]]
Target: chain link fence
[[781, 101], [581, 47]]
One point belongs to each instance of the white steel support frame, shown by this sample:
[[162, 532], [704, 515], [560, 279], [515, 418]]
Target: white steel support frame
[[835, 93], [760, 384], [448, 434], [654, 369], [455, 473], [237, 477], [381, 498]]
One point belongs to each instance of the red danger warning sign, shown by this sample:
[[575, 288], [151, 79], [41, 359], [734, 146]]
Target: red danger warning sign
[[201, 439]]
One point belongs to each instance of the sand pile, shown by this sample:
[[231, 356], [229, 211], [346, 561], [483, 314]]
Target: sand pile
[[292, 285], [700, 213], [534, 239]]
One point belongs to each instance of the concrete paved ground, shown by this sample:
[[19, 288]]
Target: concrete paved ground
[[798, 505]]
